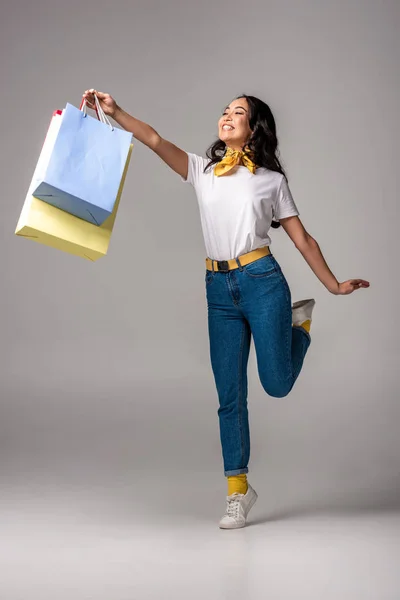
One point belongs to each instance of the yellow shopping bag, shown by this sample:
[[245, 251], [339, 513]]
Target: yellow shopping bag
[[53, 227]]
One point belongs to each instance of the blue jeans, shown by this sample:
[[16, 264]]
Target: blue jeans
[[254, 299]]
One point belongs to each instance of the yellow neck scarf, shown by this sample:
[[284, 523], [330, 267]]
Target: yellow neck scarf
[[232, 158]]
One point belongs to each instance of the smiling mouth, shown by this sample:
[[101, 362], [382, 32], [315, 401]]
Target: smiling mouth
[[227, 128]]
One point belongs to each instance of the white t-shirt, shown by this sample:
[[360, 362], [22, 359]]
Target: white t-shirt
[[236, 210]]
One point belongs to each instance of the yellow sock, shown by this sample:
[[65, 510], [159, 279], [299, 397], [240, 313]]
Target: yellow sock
[[237, 483], [306, 325]]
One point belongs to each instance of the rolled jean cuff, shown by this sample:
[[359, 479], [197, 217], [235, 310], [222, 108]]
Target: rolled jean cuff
[[303, 330], [236, 472]]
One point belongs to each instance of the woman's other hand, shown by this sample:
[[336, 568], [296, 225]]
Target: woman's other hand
[[350, 286]]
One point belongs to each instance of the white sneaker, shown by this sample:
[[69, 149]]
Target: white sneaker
[[302, 310], [237, 509]]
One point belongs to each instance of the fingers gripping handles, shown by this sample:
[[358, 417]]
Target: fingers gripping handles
[[101, 115]]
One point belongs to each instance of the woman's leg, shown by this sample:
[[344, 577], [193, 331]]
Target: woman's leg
[[229, 335], [280, 348]]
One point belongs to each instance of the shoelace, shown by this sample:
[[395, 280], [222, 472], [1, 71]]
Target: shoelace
[[233, 504]]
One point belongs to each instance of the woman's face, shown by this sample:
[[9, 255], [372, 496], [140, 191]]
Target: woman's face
[[233, 126]]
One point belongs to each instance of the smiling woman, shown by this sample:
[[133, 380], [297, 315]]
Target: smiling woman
[[234, 127], [241, 187], [248, 124]]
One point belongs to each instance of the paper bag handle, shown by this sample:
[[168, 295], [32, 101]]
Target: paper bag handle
[[101, 115]]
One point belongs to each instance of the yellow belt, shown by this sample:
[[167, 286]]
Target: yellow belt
[[244, 259]]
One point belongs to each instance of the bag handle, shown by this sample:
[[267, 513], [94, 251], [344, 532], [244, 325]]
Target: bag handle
[[83, 106], [101, 115]]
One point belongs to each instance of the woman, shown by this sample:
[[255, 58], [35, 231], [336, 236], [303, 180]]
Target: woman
[[242, 190]]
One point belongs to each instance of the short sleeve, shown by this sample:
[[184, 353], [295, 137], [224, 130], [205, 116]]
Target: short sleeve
[[196, 166], [284, 205]]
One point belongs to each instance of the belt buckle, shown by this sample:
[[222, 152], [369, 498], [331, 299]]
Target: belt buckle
[[223, 265]]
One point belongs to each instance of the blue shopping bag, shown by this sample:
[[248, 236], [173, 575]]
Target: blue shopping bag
[[83, 165]]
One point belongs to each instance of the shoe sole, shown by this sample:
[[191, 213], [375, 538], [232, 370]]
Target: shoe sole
[[302, 302], [252, 502]]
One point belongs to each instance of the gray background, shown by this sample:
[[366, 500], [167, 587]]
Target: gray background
[[108, 407]]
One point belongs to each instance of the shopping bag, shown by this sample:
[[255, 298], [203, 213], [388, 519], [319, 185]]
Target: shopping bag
[[49, 225], [81, 164]]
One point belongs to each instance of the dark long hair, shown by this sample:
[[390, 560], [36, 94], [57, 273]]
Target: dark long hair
[[263, 142]]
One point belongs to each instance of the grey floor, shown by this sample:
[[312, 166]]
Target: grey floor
[[119, 499], [85, 544]]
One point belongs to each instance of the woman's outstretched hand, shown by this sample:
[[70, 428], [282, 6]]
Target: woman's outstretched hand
[[351, 285], [107, 103]]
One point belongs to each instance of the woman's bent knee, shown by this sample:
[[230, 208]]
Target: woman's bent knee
[[278, 389]]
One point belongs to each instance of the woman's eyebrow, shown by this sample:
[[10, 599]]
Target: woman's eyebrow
[[237, 107]]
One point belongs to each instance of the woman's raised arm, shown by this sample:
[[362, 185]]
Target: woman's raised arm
[[173, 156]]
